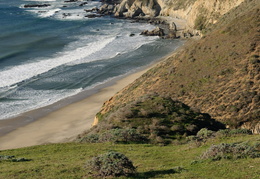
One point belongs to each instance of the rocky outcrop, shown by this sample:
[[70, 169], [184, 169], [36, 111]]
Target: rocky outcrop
[[133, 8], [155, 32], [197, 12], [36, 5], [106, 9], [254, 127], [93, 15]]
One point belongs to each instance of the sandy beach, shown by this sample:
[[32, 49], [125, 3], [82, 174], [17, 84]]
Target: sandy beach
[[65, 123]]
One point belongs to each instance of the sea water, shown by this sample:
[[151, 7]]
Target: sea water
[[50, 53]]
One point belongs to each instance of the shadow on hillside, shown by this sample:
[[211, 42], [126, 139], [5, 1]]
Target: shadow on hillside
[[154, 173]]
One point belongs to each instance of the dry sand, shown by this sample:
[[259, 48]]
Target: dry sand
[[66, 123]]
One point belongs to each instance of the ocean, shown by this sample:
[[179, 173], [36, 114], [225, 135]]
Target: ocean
[[51, 53]]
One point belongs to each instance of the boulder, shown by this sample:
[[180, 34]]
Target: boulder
[[36, 5], [106, 9], [171, 34], [155, 32], [93, 15], [71, 1], [95, 9], [84, 3]]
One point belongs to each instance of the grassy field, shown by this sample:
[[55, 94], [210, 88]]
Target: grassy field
[[152, 161]]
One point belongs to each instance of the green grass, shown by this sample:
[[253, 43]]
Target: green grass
[[67, 160]]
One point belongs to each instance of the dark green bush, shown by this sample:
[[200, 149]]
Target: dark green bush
[[205, 133], [111, 164], [230, 132], [230, 151]]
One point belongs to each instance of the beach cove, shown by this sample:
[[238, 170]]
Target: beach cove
[[66, 123], [48, 89]]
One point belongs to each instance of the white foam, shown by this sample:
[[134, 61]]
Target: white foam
[[41, 0], [57, 10], [22, 72], [45, 13], [23, 101], [123, 43], [71, 14]]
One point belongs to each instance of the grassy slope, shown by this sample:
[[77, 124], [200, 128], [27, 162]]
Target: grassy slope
[[67, 160], [218, 74]]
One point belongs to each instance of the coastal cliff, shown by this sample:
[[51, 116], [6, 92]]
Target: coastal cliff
[[218, 74], [197, 13]]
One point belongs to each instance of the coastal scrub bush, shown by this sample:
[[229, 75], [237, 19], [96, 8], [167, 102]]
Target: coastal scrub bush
[[231, 132], [231, 151], [205, 133], [110, 164], [122, 136], [116, 136]]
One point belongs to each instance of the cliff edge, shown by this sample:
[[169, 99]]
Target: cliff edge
[[197, 13]]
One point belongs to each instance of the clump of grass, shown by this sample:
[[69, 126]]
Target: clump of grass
[[231, 151], [111, 164]]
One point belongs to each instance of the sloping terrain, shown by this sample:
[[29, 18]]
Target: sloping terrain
[[195, 12], [218, 74], [68, 160]]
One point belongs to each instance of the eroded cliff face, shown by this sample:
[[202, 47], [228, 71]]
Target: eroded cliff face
[[196, 12]]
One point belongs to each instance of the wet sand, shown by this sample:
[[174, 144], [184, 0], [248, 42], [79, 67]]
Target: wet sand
[[61, 125]]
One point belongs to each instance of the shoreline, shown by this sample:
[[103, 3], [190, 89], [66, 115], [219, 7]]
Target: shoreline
[[65, 120]]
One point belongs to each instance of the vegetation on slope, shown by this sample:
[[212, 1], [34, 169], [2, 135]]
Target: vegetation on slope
[[218, 74], [152, 119]]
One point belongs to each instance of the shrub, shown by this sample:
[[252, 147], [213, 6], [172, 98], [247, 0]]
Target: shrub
[[122, 136], [117, 136], [205, 133], [230, 132], [230, 151], [111, 164], [91, 138], [240, 131], [200, 22]]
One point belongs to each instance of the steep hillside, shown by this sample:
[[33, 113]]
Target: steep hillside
[[218, 74]]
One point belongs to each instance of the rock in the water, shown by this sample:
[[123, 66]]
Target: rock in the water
[[171, 34], [71, 1], [93, 15], [84, 3], [155, 32], [95, 9], [36, 5]]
